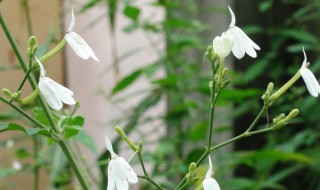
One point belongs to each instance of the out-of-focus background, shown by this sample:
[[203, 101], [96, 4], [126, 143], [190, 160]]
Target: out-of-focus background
[[152, 80]]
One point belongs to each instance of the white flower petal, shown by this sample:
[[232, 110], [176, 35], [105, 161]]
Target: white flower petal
[[210, 184], [237, 48], [109, 147], [242, 43], [49, 94], [304, 63], [248, 40], [60, 87], [233, 18], [72, 23], [126, 168], [311, 81], [79, 46], [222, 46], [111, 176], [42, 71], [209, 172], [122, 184]]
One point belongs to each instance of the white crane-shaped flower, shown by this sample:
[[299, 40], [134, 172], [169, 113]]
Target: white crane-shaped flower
[[53, 92], [209, 183], [77, 43], [242, 43], [119, 171], [309, 78]]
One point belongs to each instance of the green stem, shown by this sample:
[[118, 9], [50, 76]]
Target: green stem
[[74, 165], [28, 19], [183, 183], [257, 118], [36, 166], [51, 53], [30, 98], [285, 87], [18, 109], [151, 181], [24, 79], [146, 175]]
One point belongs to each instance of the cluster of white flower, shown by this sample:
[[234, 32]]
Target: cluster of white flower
[[53, 92], [235, 40]]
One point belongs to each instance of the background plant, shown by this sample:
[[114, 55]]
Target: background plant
[[281, 160]]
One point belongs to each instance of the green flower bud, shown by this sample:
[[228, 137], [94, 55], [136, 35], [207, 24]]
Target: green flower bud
[[32, 41], [125, 138], [293, 113], [6, 92], [34, 49], [270, 87], [192, 167]]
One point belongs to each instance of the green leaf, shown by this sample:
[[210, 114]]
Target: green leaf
[[72, 126], [132, 12], [299, 35], [16, 127], [22, 153], [72, 131], [86, 140], [265, 5], [42, 117], [255, 70], [89, 5], [125, 82], [199, 131]]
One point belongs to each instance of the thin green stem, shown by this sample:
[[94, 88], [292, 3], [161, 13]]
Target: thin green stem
[[151, 181], [18, 109], [51, 53], [208, 150], [36, 166], [264, 108], [24, 80], [74, 165], [28, 19], [146, 175]]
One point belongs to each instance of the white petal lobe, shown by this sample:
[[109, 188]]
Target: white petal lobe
[[111, 176], [210, 184], [49, 94], [109, 147], [233, 18], [129, 173], [311, 82]]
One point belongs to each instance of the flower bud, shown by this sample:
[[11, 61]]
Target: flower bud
[[125, 138], [192, 167], [293, 113], [270, 87], [6, 92], [32, 41]]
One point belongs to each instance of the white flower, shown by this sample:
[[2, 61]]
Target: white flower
[[77, 43], [242, 43], [308, 77], [53, 92], [16, 165], [209, 183], [222, 45], [119, 171]]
